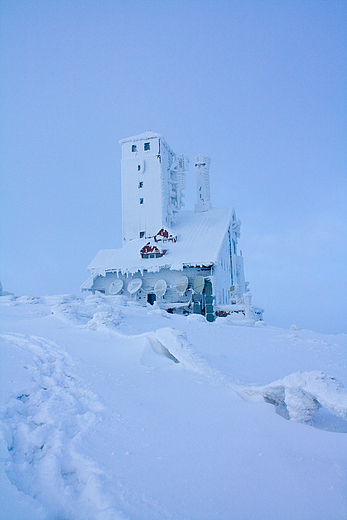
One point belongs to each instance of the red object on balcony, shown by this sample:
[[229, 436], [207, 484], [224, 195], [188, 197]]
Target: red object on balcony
[[164, 236], [152, 251]]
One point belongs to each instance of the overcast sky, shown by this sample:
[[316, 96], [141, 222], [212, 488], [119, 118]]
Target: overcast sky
[[259, 86]]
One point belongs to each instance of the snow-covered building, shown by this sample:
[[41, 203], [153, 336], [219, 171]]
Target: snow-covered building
[[185, 261]]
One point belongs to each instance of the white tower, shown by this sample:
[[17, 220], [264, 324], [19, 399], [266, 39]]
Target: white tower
[[153, 179], [202, 176]]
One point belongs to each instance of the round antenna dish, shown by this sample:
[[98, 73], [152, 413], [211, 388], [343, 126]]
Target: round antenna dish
[[115, 287], [199, 284], [160, 288], [182, 284], [134, 285]]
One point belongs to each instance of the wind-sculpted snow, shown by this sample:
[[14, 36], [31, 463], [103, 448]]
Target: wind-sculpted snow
[[43, 428], [166, 430], [94, 312], [297, 397], [300, 395], [174, 344]]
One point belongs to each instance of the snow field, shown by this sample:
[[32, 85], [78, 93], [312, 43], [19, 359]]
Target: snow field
[[43, 428], [114, 411]]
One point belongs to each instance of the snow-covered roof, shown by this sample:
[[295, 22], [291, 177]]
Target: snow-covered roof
[[145, 135], [199, 238]]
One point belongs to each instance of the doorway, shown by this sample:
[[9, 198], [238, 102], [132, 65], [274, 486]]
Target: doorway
[[151, 297]]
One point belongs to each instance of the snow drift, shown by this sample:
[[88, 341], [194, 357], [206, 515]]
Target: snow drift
[[110, 410]]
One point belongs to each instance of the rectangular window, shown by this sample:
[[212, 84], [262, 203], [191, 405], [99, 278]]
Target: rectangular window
[[140, 184], [142, 234], [138, 167], [141, 201], [134, 148], [146, 146]]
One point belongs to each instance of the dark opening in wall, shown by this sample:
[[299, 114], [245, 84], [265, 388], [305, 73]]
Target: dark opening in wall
[[151, 297]]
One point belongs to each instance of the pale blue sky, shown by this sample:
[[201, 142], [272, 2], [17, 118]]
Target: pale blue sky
[[259, 86]]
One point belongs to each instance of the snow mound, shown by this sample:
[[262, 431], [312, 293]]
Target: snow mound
[[44, 427], [294, 327], [95, 312], [7, 299], [299, 396], [107, 319], [28, 300], [158, 312], [260, 324], [174, 344], [59, 298], [232, 320], [198, 317]]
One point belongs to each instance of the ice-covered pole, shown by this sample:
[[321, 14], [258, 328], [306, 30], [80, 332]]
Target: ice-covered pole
[[202, 176]]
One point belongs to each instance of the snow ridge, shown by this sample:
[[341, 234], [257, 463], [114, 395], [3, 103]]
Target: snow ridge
[[300, 395], [297, 397], [44, 428], [174, 344]]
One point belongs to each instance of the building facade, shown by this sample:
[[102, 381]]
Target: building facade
[[183, 261]]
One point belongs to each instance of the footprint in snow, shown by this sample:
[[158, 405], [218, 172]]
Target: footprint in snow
[[43, 429]]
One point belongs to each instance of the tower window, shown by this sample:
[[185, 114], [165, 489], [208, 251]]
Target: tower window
[[146, 146], [138, 167], [141, 201], [142, 234], [134, 148], [140, 184]]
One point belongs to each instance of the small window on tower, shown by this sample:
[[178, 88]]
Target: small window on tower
[[141, 201], [134, 148], [138, 167], [146, 146], [142, 234], [140, 184]]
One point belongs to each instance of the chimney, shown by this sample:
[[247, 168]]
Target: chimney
[[202, 176]]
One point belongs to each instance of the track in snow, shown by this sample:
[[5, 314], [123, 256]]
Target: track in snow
[[43, 429]]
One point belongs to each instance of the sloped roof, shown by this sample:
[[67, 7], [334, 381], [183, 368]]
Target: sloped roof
[[199, 238]]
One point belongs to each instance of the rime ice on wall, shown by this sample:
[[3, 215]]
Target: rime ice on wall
[[153, 180], [202, 176], [201, 243]]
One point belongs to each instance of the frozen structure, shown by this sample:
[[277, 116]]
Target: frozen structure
[[185, 261]]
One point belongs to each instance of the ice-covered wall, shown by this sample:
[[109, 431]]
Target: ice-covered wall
[[202, 177], [172, 278], [142, 190], [223, 274], [229, 277], [153, 179]]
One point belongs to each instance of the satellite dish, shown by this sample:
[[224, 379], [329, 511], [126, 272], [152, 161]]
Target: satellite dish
[[199, 284], [115, 287], [182, 284], [160, 288], [232, 288], [134, 285]]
